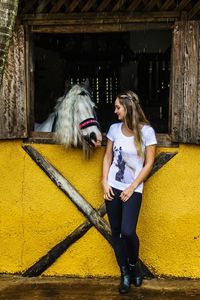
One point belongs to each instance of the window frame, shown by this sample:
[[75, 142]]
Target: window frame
[[36, 25]]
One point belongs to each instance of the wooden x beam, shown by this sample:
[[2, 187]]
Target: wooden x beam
[[93, 217]]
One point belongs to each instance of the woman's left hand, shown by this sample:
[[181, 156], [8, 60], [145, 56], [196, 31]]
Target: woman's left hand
[[127, 193]]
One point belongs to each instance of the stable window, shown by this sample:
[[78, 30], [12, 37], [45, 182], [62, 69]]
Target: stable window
[[113, 62]]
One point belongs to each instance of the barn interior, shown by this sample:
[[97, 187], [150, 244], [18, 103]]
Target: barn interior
[[113, 62]]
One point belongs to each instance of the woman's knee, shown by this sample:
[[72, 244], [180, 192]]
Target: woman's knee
[[126, 232]]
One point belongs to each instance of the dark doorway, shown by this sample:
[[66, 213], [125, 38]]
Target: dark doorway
[[113, 62]]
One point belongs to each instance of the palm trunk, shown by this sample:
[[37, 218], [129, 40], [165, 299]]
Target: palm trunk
[[8, 12]]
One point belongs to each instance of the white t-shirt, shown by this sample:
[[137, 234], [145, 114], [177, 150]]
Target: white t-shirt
[[126, 164]]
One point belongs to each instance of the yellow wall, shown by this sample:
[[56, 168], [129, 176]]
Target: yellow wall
[[36, 215]]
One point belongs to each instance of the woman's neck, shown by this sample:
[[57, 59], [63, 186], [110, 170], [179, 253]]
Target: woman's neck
[[126, 131]]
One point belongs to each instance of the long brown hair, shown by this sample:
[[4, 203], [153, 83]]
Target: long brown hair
[[134, 116]]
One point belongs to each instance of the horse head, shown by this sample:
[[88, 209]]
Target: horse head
[[76, 122]]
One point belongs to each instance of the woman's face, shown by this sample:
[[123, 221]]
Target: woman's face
[[119, 110]]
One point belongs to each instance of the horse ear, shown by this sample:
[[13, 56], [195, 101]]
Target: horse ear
[[67, 84], [87, 84]]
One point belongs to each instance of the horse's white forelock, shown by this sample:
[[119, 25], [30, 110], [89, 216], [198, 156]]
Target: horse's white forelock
[[77, 108]]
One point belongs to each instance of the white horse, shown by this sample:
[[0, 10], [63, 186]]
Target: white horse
[[73, 120]]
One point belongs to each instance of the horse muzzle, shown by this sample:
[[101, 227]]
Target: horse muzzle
[[92, 140]]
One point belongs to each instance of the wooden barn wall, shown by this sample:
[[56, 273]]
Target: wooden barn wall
[[8, 12], [13, 119], [185, 83]]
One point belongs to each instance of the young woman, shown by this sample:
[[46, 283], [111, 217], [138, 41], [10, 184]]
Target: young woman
[[128, 160]]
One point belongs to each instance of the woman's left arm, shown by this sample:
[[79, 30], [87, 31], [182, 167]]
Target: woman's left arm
[[150, 153]]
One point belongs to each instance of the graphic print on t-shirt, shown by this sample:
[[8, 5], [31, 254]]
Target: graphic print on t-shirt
[[125, 165]]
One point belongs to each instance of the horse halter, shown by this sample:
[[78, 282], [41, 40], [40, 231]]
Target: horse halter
[[89, 122]]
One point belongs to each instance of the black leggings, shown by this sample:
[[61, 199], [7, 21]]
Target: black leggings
[[123, 218]]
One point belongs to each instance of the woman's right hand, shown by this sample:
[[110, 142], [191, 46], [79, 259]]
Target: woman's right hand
[[108, 193]]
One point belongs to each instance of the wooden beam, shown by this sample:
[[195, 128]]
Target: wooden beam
[[103, 5], [67, 4], [73, 5], [134, 5], [42, 6], [101, 28], [41, 137], [194, 11], [160, 161], [163, 139], [55, 8], [166, 5], [88, 5], [99, 18], [65, 186], [28, 6], [118, 5], [30, 77], [183, 4], [150, 5]]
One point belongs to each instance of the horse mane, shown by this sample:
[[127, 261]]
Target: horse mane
[[73, 104]]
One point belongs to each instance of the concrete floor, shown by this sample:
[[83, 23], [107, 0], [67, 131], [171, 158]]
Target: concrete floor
[[48, 288]]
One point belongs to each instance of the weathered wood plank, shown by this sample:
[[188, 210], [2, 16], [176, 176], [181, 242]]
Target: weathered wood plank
[[150, 5], [167, 4], [182, 5], [164, 140], [42, 6], [134, 4], [13, 118], [118, 5], [88, 5], [8, 12], [103, 5], [185, 84], [55, 8], [177, 80], [92, 28], [28, 7], [191, 58], [66, 5], [195, 9], [66, 187], [161, 159], [73, 5], [30, 77], [122, 17]]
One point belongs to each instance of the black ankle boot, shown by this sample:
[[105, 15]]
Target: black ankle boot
[[125, 280], [136, 273]]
